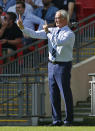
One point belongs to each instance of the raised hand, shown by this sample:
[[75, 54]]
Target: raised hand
[[45, 27], [20, 23]]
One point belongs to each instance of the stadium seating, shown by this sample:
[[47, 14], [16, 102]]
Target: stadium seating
[[84, 8]]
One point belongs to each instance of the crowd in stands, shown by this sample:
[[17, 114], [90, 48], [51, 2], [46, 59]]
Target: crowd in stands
[[34, 13], [10, 34]]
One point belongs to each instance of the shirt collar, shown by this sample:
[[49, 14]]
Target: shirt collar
[[65, 27]]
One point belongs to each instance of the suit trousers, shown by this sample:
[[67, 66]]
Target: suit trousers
[[59, 75]]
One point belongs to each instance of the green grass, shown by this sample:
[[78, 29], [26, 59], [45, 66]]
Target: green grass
[[44, 128]]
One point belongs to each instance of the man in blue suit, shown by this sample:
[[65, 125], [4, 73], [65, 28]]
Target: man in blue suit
[[60, 44]]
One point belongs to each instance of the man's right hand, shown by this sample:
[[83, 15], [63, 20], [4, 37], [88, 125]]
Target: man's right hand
[[45, 27], [20, 23]]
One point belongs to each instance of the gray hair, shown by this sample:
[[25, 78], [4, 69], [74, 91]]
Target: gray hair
[[64, 14]]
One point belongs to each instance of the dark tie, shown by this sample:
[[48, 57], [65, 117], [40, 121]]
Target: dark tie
[[53, 50]]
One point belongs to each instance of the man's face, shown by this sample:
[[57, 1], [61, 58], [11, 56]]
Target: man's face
[[19, 9], [59, 20], [7, 20]]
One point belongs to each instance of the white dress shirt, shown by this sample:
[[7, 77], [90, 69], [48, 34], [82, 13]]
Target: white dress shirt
[[28, 18], [63, 43], [29, 21]]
